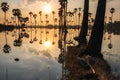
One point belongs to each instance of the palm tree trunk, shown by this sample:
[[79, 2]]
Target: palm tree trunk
[[65, 13], [84, 28], [95, 42], [4, 18], [5, 36]]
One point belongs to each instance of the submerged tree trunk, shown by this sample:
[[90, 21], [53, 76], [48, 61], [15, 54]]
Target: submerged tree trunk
[[84, 28], [95, 42]]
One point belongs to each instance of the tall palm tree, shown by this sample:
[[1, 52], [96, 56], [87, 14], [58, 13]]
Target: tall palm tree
[[41, 32], [5, 8], [95, 42], [12, 18], [16, 13], [53, 12], [84, 29], [35, 16], [46, 31], [75, 12], [89, 20], [79, 15], [112, 10], [40, 17], [31, 14], [6, 48]]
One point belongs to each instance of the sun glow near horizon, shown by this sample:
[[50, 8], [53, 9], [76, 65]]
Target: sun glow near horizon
[[47, 8]]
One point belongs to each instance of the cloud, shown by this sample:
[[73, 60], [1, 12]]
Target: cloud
[[97, 0], [33, 1]]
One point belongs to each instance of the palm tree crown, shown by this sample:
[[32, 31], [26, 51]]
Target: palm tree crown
[[112, 10], [4, 6]]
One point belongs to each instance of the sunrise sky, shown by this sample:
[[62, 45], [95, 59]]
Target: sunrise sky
[[38, 5]]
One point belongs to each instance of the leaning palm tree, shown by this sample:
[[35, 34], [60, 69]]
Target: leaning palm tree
[[84, 29], [95, 42], [5, 8]]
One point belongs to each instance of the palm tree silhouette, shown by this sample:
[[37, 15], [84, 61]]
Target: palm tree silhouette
[[16, 13], [6, 48], [5, 8], [90, 17], [95, 42], [31, 14], [41, 32], [84, 29], [46, 31], [12, 18], [53, 12], [112, 10], [35, 16], [75, 12], [31, 41], [79, 15], [40, 17]]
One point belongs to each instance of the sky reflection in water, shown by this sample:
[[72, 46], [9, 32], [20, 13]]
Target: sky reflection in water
[[38, 62]]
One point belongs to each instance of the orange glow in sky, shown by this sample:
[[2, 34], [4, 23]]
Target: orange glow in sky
[[47, 44], [47, 8]]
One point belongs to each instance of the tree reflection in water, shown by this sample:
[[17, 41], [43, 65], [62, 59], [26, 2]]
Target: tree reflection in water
[[6, 48]]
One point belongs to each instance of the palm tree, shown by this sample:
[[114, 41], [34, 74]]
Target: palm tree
[[31, 14], [12, 18], [6, 48], [75, 12], [79, 14], [40, 17], [35, 16], [40, 37], [84, 29], [53, 12], [112, 10], [5, 8], [16, 13], [90, 16], [31, 40], [46, 16], [95, 42]]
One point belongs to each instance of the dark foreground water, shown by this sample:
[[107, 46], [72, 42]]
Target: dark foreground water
[[34, 56]]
